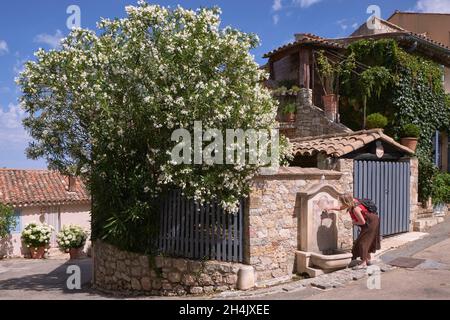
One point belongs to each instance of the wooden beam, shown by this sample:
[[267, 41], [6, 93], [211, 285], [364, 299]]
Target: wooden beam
[[304, 73]]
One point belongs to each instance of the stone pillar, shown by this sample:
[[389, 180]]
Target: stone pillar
[[414, 191], [305, 97]]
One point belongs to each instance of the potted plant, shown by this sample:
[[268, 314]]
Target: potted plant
[[71, 239], [289, 112], [329, 74], [376, 121], [409, 136], [37, 238]]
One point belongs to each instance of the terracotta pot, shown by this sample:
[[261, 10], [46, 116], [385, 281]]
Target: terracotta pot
[[75, 253], [330, 106], [37, 253], [289, 117], [410, 143]]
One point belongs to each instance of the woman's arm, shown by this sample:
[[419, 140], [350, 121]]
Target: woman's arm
[[358, 214], [335, 208]]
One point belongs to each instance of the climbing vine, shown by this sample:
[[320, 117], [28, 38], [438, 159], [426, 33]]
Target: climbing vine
[[379, 76]]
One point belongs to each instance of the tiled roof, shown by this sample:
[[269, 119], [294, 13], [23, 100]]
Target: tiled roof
[[307, 38], [39, 187], [337, 145]]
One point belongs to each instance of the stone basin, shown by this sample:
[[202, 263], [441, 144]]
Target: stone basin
[[331, 261]]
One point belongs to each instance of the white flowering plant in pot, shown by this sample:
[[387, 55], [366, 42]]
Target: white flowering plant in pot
[[71, 237], [36, 235]]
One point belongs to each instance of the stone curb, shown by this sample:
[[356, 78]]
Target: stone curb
[[327, 281]]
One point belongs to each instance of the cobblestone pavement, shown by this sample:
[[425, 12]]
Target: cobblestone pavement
[[309, 286]]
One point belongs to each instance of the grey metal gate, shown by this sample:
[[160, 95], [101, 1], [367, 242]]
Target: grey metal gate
[[387, 184], [192, 230]]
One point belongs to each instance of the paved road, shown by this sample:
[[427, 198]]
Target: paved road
[[43, 279], [46, 279], [429, 280]]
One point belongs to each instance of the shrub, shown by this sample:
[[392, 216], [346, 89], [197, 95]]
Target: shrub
[[410, 131], [376, 120], [71, 237], [7, 220], [289, 108], [441, 188], [35, 235]]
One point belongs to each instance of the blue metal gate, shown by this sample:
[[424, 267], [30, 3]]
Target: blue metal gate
[[387, 184]]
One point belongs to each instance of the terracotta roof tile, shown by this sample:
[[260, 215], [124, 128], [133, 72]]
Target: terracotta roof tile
[[39, 187], [307, 38], [337, 145]]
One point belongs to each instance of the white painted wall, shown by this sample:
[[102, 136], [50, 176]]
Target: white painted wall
[[78, 214]]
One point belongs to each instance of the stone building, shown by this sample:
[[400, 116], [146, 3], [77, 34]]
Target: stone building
[[329, 159]]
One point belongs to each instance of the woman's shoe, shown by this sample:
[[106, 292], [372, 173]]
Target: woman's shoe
[[360, 267]]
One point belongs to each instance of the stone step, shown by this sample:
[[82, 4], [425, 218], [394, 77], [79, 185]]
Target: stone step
[[425, 215], [421, 225]]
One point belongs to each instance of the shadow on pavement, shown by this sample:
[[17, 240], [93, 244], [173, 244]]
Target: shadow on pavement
[[55, 280]]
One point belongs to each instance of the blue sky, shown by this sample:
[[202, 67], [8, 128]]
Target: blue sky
[[28, 25]]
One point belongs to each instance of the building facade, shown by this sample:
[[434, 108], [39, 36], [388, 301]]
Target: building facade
[[41, 196]]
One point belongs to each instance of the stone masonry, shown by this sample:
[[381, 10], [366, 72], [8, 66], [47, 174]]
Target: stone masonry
[[273, 217], [130, 273], [311, 120]]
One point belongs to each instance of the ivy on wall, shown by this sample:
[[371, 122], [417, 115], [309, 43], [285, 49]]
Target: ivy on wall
[[379, 76]]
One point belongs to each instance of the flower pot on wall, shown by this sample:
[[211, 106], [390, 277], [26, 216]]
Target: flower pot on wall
[[409, 142], [289, 117], [330, 106], [75, 253], [37, 253]]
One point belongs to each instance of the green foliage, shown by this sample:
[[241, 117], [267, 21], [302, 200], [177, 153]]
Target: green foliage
[[427, 173], [380, 77], [441, 188], [282, 91], [329, 72], [376, 120], [106, 104], [7, 220], [290, 108], [410, 131]]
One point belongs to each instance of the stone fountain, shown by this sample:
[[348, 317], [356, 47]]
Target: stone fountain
[[317, 234]]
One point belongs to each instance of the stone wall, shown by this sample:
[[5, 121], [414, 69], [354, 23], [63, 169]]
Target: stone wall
[[311, 120], [273, 217], [131, 273]]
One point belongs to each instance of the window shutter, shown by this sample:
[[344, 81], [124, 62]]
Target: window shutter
[[18, 226]]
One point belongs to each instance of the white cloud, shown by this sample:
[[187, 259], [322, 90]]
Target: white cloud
[[343, 24], [19, 66], [277, 5], [433, 6], [3, 47], [276, 19], [305, 3], [11, 129], [355, 25], [51, 40]]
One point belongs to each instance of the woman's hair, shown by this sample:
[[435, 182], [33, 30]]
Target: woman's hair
[[347, 200]]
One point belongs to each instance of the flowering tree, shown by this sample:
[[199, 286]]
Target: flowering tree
[[105, 106]]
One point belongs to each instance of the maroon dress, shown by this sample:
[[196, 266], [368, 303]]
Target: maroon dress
[[368, 240]]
